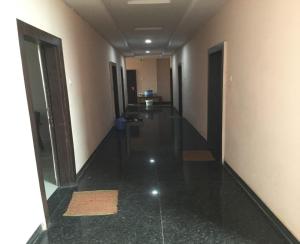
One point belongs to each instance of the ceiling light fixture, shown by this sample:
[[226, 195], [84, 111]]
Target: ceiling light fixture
[[148, 41], [147, 51], [149, 2], [152, 161], [154, 28], [154, 192]]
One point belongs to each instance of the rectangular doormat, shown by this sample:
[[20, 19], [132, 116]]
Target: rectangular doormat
[[93, 203], [197, 155]]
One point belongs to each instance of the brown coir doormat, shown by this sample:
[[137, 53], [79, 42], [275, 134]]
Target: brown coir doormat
[[93, 203], [197, 155]]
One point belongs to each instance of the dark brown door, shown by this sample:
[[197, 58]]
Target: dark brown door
[[215, 91], [52, 75], [115, 88], [123, 92], [46, 90], [180, 89], [131, 86], [171, 86]]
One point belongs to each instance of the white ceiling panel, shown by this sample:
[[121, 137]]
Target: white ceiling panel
[[168, 23]]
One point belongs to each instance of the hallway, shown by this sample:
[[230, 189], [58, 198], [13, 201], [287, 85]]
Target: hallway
[[169, 201], [220, 77]]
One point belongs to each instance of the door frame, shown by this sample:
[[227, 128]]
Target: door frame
[[222, 46], [111, 65], [180, 97], [65, 171]]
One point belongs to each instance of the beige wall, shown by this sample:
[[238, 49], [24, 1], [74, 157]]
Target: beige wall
[[152, 73], [146, 73], [86, 57], [262, 96], [163, 79]]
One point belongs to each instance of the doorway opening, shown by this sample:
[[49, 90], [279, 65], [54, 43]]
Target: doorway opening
[[114, 77], [180, 89], [43, 116], [215, 100], [45, 83]]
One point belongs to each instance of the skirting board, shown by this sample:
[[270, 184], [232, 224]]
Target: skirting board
[[278, 225], [35, 235], [87, 163]]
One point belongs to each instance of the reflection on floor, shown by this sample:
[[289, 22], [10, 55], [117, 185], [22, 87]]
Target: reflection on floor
[[161, 198]]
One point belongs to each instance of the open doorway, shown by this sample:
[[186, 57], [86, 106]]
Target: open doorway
[[114, 78], [180, 89], [215, 100], [43, 116], [48, 105]]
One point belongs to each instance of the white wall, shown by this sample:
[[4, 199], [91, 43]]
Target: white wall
[[262, 131], [86, 57]]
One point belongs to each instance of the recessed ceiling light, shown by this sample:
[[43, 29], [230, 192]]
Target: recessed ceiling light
[[152, 160], [148, 41], [147, 51], [154, 192], [149, 1], [154, 28]]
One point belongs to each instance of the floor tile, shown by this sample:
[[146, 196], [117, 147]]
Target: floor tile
[[195, 202]]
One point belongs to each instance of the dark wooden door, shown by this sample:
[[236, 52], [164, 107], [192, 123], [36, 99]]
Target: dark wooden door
[[50, 61], [180, 89], [131, 86], [60, 120], [123, 92], [215, 91], [171, 86], [115, 88]]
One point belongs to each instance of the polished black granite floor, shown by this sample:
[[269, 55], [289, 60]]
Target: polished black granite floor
[[168, 201]]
